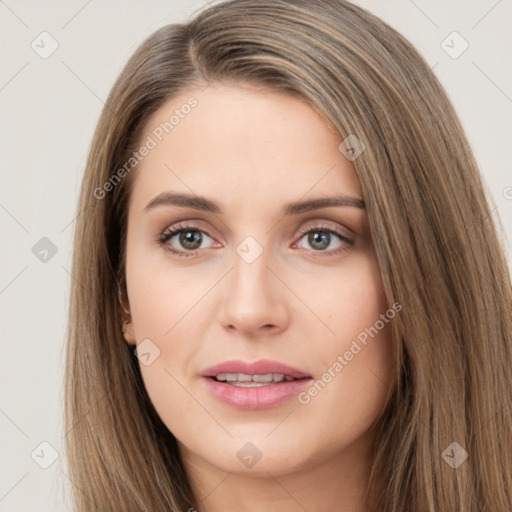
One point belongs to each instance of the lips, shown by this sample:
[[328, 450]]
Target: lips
[[259, 385], [262, 367]]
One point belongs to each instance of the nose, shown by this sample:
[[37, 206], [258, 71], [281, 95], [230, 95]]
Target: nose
[[255, 300]]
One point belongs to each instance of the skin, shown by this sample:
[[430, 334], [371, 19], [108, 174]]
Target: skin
[[252, 151]]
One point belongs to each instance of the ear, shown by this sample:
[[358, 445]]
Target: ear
[[128, 331]]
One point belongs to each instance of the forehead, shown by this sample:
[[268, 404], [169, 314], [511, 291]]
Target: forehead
[[242, 142]]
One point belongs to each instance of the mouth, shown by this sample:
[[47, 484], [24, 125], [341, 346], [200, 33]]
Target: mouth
[[263, 371], [258, 385], [253, 381]]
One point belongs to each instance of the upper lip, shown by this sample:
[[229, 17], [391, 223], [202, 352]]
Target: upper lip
[[261, 367]]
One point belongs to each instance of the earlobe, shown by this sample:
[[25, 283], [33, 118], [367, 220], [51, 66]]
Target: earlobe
[[126, 317], [128, 333]]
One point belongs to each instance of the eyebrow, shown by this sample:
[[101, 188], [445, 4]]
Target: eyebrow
[[294, 208]]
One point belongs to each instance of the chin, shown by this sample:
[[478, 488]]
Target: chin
[[256, 458]]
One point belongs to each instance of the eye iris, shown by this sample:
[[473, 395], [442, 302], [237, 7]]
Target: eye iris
[[319, 239], [190, 239]]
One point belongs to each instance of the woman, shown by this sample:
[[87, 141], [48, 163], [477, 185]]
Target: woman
[[289, 293]]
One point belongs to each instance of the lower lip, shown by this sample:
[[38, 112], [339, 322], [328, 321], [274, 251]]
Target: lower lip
[[262, 397]]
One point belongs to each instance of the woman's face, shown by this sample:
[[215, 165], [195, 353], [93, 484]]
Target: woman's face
[[265, 279]]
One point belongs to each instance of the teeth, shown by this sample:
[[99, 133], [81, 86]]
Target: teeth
[[249, 384], [241, 379], [263, 378]]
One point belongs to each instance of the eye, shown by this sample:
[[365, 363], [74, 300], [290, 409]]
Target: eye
[[321, 238], [185, 240], [188, 238]]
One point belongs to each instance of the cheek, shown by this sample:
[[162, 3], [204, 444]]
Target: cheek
[[164, 303], [160, 295], [357, 360], [367, 341], [349, 299]]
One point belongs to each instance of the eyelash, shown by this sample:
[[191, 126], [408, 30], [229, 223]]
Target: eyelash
[[170, 232]]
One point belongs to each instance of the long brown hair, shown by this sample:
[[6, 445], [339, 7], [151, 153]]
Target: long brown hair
[[434, 237]]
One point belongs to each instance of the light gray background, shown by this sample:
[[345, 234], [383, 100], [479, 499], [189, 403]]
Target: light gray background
[[48, 110]]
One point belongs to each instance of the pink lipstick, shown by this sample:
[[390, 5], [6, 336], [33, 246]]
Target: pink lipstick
[[258, 385]]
